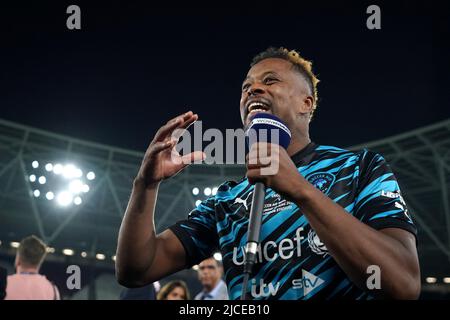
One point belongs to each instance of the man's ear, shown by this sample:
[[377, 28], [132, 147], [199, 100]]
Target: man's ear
[[306, 106]]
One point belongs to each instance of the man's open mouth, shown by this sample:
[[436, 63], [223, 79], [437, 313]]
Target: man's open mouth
[[257, 106]]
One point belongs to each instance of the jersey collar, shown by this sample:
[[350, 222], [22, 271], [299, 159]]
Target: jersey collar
[[303, 156]]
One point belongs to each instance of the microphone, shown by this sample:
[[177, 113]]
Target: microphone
[[263, 127]]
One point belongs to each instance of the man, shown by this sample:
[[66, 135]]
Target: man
[[210, 275], [339, 227], [27, 283]]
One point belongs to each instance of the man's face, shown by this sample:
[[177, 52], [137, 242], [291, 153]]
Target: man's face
[[273, 86], [209, 273]]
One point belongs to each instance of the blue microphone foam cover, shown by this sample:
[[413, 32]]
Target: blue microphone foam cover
[[265, 127]]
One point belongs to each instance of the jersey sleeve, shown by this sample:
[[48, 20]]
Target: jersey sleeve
[[198, 233], [379, 202]]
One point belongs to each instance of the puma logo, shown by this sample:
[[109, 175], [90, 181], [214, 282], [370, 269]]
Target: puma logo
[[243, 201]]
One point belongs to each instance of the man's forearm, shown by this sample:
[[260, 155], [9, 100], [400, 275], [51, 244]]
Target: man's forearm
[[354, 245], [137, 233]]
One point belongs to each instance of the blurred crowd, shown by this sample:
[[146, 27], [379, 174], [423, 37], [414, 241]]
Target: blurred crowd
[[210, 272], [28, 284]]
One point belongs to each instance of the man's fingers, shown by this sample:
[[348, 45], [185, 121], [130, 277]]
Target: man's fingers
[[254, 175], [196, 156], [178, 132], [168, 128], [161, 146], [184, 116], [189, 121], [262, 149], [172, 124], [259, 163]]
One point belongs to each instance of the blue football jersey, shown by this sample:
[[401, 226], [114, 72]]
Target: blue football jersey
[[292, 262]]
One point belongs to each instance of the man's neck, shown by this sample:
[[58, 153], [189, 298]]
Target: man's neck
[[297, 144], [27, 270], [209, 289]]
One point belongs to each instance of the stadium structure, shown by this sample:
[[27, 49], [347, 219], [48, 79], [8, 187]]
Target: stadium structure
[[73, 193]]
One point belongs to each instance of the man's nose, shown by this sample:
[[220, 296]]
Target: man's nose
[[256, 89]]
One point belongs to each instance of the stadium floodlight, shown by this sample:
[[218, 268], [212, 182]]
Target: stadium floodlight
[[84, 254], [69, 171], [218, 256], [15, 244], [68, 252], [207, 191], [214, 191], [195, 191], [446, 280], [35, 164], [195, 267], [57, 168], [64, 198], [77, 201], [71, 183], [85, 188], [198, 202], [76, 186], [100, 256], [113, 258], [78, 173], [50, 250], [430, 280], [49, 167]]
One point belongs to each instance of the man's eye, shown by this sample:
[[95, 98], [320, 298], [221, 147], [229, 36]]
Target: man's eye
[[270, 80], [245, 86]]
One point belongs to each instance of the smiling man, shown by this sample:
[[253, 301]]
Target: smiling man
[[331, 216]]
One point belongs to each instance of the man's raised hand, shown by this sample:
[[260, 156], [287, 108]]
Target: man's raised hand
[[162, 160]]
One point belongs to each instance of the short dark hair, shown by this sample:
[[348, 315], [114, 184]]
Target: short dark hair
[[218, 262], [303, 66], [32, 251]]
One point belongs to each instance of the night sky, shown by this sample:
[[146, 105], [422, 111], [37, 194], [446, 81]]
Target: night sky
[[134, 66]]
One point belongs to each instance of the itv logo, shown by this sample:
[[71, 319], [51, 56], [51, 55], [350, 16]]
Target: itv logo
[[265, 290]]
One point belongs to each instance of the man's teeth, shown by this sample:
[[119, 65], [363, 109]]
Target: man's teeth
[[257, 106]]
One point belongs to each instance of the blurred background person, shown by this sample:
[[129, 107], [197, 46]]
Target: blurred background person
[[174, 290], [210, 275], [27, 283], [2, 283]]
